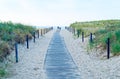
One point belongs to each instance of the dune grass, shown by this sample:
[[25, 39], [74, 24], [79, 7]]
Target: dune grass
[[11, 33], [102, 30]]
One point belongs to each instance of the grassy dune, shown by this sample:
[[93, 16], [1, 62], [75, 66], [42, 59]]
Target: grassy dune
[[102, 30], [11, 33]]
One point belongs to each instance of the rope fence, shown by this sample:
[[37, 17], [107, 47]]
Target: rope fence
[[38, 33], [74, 31]]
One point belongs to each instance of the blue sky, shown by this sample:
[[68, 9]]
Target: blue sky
[[58, 12]]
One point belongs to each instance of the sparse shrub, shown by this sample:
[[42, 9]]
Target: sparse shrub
[[102, 31], [117, 33], [91, 44], [20, 38], [115, 48], [11, 33], [29, 36], [7, 37], [2, 72], [114, 35], [4, 50]]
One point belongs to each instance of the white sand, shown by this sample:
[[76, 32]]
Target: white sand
[[31, 61], [90, 66]]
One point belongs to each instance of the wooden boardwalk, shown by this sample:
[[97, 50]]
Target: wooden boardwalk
[[59, 63]]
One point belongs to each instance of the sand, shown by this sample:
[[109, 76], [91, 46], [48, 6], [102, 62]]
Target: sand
[[91, 66], [31, 61]]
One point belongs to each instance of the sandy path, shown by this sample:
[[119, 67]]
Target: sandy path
[[90, 66], [31, 61]]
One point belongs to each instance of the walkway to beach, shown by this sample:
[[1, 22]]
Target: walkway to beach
[[49, 57], [59, 63]]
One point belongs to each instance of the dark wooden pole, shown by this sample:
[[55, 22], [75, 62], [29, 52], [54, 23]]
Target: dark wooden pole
[[34, 37], [108, 48], [38, 34], [91, 40], [82, 36], [16, 52], [27, 41]]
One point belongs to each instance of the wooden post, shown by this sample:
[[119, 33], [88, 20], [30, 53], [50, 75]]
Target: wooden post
[[34, 37], [91, 40], [82, 36], [38, 33], [108, 48], [27, 41], [16, 52], [78, 32]]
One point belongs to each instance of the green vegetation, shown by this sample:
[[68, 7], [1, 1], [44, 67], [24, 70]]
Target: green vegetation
[[2, 72], [11, 33], [93, 26], [102, 30]]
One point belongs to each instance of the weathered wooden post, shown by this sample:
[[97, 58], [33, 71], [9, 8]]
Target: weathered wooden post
[[38, 34], [82, 36], [27, 41], [91, 39], [108, 48], [34, 37], [16, 51], [78, 32]]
